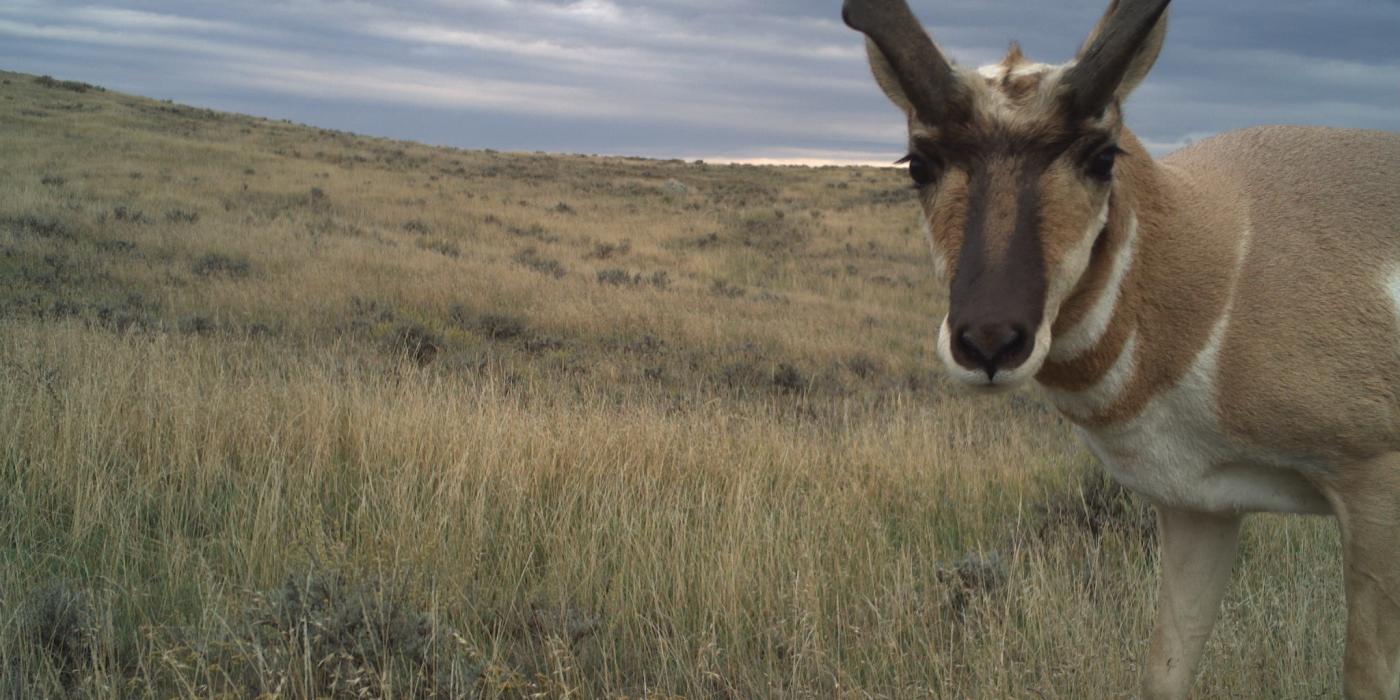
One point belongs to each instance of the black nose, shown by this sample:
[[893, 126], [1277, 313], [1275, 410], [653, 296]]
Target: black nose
[[991, 347]]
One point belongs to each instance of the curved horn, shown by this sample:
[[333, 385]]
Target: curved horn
[[926, 76], [1105, 61]]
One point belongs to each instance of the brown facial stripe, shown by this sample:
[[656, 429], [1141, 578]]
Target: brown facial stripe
[[995, 282], [1000, 275]]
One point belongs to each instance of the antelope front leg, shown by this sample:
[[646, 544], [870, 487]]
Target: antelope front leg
[[1366, 499], [1198, 552]]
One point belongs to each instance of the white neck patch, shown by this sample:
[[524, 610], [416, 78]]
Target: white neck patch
[[1392, 286], [1086, 334]]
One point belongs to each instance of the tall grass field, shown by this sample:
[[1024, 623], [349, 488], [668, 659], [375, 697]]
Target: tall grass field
[[295, 413]]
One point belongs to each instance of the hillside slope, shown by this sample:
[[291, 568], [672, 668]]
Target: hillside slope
[[296, 413], [171, 217]]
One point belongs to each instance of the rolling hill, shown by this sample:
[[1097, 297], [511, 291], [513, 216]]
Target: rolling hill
[[290, 412]]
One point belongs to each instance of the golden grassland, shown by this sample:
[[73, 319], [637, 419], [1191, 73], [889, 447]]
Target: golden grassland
[[289, 412]]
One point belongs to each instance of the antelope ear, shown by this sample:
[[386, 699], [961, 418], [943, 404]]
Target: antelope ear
[[907, 64], [885, 77], [1145, 59], [1118, 53]]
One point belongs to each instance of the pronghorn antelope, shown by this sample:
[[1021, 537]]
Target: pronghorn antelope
[[1223, 325]]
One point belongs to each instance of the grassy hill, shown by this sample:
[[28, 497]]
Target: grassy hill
[[299, 413]]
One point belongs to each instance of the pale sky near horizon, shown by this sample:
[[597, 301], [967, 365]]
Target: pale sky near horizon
[[722, 80]]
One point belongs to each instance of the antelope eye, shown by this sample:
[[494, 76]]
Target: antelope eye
[[921, 170], [1100, 165]]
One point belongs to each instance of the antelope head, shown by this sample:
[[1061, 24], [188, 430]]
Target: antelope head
[[1015, 165]]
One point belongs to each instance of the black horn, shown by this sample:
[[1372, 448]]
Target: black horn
[[1092, 83], [925, 75]]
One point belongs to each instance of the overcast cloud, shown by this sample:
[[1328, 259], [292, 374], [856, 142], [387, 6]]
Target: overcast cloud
[[714, 79]]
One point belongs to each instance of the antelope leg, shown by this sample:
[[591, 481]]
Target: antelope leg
[[1198, 552]]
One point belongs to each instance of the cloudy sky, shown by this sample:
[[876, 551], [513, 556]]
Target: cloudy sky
[[713, 79]]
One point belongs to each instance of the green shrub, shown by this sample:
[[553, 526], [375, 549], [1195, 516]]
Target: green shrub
[[1095, 504], [72, 85], [416, 342], [41, 226], [180, 216], [789, 378], [446, 248], [134, 216], [61, 621], [501, 326], [531, 259], [219, 264], [618, 277]]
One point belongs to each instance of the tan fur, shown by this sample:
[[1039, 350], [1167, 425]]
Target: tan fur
[[1001, 209], [1015, 94], [1086, 369], [1198, 552], [1066, 210], [1015, 76], [1366, 498], [1014, 57], [1171, 212], [1309, 367], [946, 210], [1312, 364], [1237, 335]]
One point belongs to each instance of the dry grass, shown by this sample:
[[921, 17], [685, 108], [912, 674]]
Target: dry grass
[[293, 412]]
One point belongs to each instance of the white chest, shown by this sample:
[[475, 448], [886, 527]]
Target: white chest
[[1169, 461], [1176, 453]]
